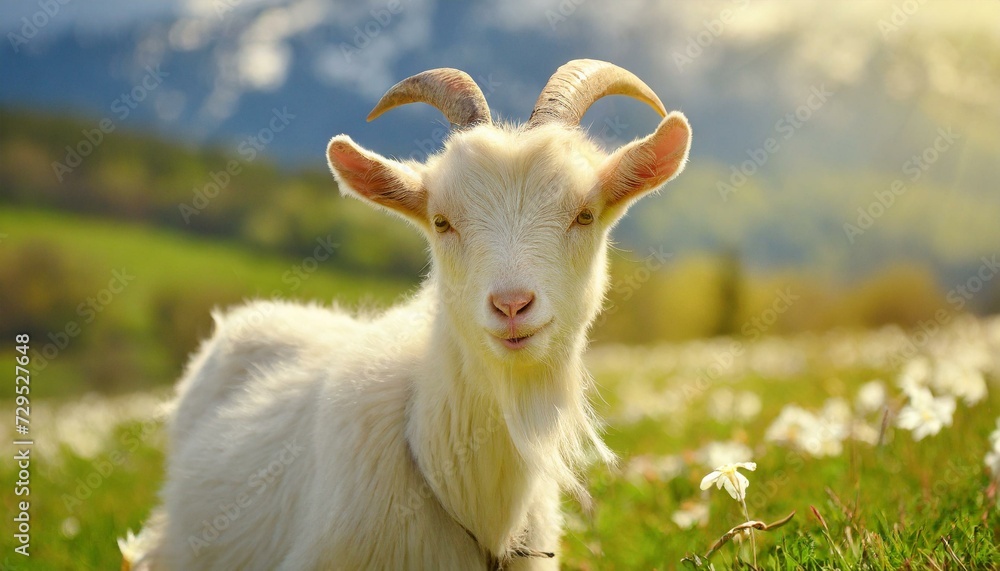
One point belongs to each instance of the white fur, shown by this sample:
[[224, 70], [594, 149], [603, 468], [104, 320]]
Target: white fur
[[383, 441]]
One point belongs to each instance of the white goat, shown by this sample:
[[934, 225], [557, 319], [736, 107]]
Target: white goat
[[439, 434]]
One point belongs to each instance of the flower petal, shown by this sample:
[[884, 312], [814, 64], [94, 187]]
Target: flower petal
[[731, 489], [710, 479], [743, 484]]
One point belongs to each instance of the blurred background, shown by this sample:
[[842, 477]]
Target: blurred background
[[161, 158]]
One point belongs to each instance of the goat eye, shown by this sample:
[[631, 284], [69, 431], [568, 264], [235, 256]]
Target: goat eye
[[441, 224], [585, 217]]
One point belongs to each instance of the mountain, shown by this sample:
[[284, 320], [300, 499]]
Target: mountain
[[807, 111]]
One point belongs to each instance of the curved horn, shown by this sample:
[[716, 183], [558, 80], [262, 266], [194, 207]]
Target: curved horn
[[452, 91], [574, 87]]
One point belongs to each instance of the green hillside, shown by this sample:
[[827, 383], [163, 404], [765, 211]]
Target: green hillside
[[152, 291], [136, 177]]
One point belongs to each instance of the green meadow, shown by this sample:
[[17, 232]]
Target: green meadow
[[167, 286], [866, 496]]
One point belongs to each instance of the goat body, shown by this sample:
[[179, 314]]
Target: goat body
[[441, 433]]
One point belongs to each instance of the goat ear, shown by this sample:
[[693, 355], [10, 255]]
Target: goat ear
[[643, 165], [372, 177]]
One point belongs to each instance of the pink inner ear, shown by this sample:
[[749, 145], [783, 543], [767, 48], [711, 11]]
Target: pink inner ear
[[354, 168], [648, 163], [670, 146], [375, 180]]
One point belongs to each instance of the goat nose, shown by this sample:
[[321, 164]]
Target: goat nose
[[510, 303]]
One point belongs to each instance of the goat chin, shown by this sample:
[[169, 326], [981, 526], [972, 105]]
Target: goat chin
[[307, 437]]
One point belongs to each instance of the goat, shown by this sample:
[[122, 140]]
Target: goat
[[440, 433]]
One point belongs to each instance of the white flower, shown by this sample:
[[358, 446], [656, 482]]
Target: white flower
[[925, 414], [134, 549], [720, 405], [792, 423], [747, 406], [70, 527], [992, 462], [725, 405], [914, 375], [960, 380], [871, 396], [864, 432], [995, 436], [652, 468], [690, 515], [827, 441], [836, 411], [729, 477], [816, 435], [993, 456]]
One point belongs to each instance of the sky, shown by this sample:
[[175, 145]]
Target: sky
[[851, 86], [757, 52]]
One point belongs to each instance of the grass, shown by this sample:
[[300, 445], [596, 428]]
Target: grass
[[192, 274], [895, 505], [98, 461], [167, 260], [886, 508], [927, 504], [113, 495]]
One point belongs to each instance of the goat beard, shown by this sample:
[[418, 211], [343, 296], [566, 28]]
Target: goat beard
[[552, 425]]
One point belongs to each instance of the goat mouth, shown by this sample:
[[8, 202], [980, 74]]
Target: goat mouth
[[516, 342], [513, 341]]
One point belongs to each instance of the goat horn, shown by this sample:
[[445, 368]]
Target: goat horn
[[574, 87], [452, 91]]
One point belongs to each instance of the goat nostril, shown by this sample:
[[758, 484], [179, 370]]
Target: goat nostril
[[513, 302], [498, 308], [527, 304]]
